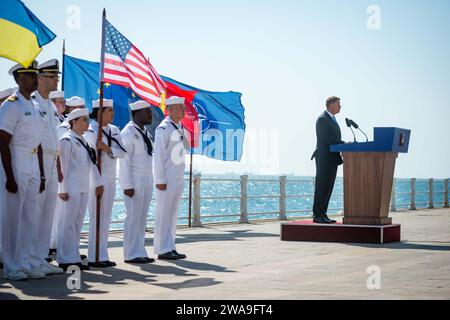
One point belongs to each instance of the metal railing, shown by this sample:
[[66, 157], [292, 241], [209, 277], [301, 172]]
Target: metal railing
[[244, 216]]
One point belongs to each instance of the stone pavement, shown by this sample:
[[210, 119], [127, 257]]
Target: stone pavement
[[248, 261]]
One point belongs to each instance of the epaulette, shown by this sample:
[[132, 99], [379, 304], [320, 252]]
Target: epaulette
[[12, 98], [67, 139], [161, 128]]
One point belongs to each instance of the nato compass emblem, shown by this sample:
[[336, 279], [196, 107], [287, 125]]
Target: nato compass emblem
[[204, 122]]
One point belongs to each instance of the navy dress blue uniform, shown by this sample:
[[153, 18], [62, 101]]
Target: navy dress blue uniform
[[327, 162]]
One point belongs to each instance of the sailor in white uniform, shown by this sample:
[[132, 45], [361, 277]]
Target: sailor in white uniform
[[72, 103], [136, 180], [58, 99], [112, 148], [4, 94], [48, 79], [78, 163], [169, 164], [21, 128]]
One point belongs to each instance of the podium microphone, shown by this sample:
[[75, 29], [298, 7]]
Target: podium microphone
[[353, 123], [348, 122]]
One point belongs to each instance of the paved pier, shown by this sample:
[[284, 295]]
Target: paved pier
[[248, 261]]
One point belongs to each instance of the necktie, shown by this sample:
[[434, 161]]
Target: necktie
[[146, 141]]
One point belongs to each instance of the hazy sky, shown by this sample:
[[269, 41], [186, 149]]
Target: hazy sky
[[286, 57]]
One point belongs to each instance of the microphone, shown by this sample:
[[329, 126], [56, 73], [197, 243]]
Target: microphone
[[353, 123], [348, 122]]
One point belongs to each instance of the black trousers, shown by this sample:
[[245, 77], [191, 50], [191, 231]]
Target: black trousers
[[325, 178]]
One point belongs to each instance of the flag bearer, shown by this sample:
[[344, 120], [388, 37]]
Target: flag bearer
[[21, 129], [48, 79], [78, 162], [169, 165], [112, 148], [136, 180]]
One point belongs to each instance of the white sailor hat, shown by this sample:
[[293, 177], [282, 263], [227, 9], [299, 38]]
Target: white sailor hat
[[75, 114], [74, 102], [49, 66], [138, 105], [174, 100], [107, 103], [18, 68], [7, 92], [56, 94]]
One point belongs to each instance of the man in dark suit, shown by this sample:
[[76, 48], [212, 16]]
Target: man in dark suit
[[327, 162]]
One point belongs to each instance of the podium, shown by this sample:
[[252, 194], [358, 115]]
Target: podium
[[368, 178], [369, 174]]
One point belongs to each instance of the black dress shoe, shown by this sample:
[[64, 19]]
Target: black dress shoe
[[51, 252], [321, 220], [100, 264], [168, 256], [179, 255], [49, 260], [110, 263], [149, 260], [1, 265], [82, 266], [83, 257], [331, 220], [140, 260]]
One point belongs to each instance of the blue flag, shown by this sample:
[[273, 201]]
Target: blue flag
[[221, 125]]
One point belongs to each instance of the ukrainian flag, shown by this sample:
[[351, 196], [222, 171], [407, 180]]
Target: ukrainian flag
[[22, 35]]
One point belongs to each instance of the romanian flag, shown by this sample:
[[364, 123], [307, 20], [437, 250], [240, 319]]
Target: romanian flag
[[22, 35]]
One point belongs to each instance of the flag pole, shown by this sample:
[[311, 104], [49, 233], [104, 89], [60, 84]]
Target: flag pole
[[63, 55], [190, 190], [99, 139]]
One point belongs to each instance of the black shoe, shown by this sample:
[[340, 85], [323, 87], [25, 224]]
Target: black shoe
[[83, 257], [180, 255], [149, 260], [82, 266], [331, 220], [49, 260], [140, 260], [100, 264], [110, 263], [321, 220], [1, 265], [51, 252], [168, 256]]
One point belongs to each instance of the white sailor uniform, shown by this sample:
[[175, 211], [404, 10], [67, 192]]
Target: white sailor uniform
[[135, 172], [77, 167], [169, 165], [47, 199], [111, 137], [20, 118]]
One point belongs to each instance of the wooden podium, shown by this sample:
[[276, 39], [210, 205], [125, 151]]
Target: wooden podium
[[368, 177]]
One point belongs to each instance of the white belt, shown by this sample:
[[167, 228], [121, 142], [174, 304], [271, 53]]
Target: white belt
[[25, 149]]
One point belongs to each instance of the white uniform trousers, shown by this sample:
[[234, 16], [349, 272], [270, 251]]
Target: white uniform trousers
[[135, 223], [54, 234], [167, 204], [19, 223], [106, 206], [69, 228], [46, 210]]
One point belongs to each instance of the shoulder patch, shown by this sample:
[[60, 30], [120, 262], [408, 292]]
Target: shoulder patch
[[13, 98]]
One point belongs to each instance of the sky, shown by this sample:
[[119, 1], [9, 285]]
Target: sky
[[389, 64]]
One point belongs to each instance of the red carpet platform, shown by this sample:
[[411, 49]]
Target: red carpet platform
[[306, 230]]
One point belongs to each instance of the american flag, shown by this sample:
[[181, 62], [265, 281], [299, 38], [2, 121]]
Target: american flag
[[126, 66]]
